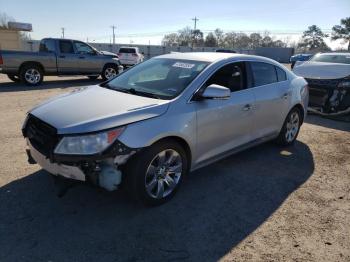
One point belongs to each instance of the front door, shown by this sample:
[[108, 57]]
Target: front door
[[223, 125], [67, 59]]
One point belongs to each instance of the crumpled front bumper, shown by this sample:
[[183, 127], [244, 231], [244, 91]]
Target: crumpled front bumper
[[71, 172]]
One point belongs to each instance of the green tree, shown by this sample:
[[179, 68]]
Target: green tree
[[313, 39], [210, 40], [342, 31]]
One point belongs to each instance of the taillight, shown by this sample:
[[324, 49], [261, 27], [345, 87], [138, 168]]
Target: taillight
[[1, 61]]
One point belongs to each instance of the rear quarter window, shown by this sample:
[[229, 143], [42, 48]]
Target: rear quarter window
[[263, 73], [281, 74]]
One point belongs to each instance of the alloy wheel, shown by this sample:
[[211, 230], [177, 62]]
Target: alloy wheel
[[32, 76], [163, 174], [110, 73], [292, 127]]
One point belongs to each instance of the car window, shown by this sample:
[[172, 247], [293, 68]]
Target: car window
[[281, 74], [232, 76], [66, 47], [263, 73], [127, 50], [47, 46], [83, 48]]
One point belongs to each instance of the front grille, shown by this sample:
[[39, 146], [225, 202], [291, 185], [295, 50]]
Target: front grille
[[41, 135], [323, 83]]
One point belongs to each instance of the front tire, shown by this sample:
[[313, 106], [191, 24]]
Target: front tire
[[291, 128], [109, 71], [14, 78], [154, 175], [31, 75]]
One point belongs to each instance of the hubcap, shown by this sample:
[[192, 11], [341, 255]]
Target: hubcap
[[110, 73], [32, 76], [163, 174], [292, 127]]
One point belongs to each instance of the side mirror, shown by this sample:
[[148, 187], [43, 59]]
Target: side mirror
[[216, 92]]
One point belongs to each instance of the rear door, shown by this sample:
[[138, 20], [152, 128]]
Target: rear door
[[67, 58], [225, 124], [272, 98]]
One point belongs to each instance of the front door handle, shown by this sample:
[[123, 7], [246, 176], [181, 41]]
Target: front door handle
[[247, 107]]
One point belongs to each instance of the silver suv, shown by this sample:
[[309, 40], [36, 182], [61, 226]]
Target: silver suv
[[151, 125]]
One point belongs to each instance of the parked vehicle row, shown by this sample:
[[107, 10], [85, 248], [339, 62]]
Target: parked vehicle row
[[152, 124]]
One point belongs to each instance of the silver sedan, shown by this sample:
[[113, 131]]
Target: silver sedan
[[152, 124]]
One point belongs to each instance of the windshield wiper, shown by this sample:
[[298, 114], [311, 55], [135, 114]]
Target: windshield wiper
[[142, 93], [132, 91]]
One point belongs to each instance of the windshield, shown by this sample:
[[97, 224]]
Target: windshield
[[341, 59], [159, 77]]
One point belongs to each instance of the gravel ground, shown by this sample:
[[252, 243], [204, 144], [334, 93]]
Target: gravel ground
[[264, 204]]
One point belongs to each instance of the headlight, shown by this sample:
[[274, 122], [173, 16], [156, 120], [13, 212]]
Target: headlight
[[88, 144]]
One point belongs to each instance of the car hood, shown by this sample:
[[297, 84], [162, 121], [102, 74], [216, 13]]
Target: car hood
[[96, 108], [319, 70]]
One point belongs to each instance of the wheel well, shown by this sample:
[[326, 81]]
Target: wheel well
[[109, 64], [182, 142], [302, 111], [31, 63]]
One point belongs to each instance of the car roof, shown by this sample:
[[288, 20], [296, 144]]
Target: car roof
[[212, 57]]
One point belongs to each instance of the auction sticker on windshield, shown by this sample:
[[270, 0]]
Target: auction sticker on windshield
[[183, 65]]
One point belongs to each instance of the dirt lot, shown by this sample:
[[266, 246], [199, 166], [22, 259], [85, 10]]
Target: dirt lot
[[264, 204]]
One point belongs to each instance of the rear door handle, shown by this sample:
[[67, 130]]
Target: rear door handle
[[247, 107], [285, 96]]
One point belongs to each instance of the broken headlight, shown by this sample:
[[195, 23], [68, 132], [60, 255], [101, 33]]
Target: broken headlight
[[89, 144]]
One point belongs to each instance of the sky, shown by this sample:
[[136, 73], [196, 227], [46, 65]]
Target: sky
[[145, 22]]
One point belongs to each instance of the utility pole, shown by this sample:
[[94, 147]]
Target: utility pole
[[113, 27], [62, 28], [195, 19]]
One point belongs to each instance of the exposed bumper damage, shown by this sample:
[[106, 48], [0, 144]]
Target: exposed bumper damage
[[328, 97], [103, 169]]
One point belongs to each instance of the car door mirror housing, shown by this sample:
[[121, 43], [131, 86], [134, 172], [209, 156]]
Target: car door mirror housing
[[216, 92]]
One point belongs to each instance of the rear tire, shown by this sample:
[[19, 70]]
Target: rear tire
[[109, 71], [31, 75], [154, 175], [14, 78], [291, 128]]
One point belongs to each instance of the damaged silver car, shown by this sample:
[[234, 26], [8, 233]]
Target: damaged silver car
[[328, 76], [152, 124]]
